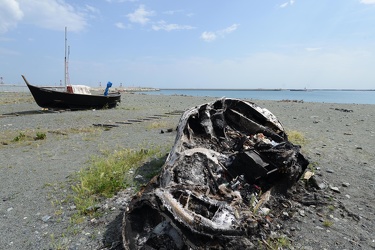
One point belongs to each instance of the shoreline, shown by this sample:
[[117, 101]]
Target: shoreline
[[344, 96], [265, 89], [35, 175], [142, 89]]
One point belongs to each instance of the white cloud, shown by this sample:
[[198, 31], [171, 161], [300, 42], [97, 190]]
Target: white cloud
[[172, 12], [368, 1], [228, 30], [10, 15], [121, 25], [162, 25], [52, 14], [210, 36], [92, 9], [330, 69], [48, 14], [140, 15], [286, 4], [182, 12]]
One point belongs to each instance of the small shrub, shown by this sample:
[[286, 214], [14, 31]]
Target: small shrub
[[281, 242], [327, 223], [296, 137], [331, 207], [20, 137], [107, 175], [40, 136]]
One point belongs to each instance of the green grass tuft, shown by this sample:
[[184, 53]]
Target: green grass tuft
[[107, 175], [297, 138], [281, 242], [40, 136], [20, 137], [327, 223]]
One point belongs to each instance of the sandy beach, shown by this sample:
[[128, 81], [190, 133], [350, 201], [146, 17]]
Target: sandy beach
[[35, 175]]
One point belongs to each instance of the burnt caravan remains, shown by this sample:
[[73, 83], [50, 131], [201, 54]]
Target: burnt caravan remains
[[229, 158]]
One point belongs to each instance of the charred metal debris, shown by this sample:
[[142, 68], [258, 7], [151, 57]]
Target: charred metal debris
[[230, 158]]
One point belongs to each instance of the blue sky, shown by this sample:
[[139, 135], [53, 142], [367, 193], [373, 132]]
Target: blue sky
[[191, 44]]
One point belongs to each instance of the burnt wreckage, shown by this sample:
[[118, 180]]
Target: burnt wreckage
[[227, 158]]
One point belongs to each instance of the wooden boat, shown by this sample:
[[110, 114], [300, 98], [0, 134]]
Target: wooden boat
[[72, 97], [48, 97]]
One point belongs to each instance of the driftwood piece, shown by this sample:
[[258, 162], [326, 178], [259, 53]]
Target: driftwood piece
[[208, 194]]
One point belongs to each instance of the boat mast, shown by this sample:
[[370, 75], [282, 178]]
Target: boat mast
[[66, 73], [67, 68]]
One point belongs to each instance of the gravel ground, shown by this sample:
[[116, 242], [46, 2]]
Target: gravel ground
[[35, 175]]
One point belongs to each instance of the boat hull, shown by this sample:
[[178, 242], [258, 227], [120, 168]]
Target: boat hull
[[52, 99]]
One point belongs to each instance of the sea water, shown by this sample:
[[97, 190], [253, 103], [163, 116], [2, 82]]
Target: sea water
[[325, 96], [13, 88]]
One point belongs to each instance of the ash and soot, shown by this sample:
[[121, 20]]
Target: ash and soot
[[231, 164]]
